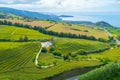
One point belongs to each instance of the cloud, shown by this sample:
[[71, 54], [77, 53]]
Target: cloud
[[17, 1], [61, 5]]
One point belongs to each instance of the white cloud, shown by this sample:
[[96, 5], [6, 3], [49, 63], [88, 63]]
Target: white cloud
[[60, 5]]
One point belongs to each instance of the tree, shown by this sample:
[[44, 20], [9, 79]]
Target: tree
[[65, 57], [25, 38], [52, 49], [44, 50], [55, 62], [21, 39]]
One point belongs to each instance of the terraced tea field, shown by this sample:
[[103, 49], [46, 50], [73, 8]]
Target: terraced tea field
[[14, 33], [16, 55], [67, 45]]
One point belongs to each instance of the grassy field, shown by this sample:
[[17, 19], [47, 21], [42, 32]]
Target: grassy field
[[14, 33], [113, 54], [67, 45], [77, 29]]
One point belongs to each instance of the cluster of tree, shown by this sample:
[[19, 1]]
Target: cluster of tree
[[5, 40], [118, 37], [25, 39], [82, 52], [69, 56], [5, 22], [61, 34]]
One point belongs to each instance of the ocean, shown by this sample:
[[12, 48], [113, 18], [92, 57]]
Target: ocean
[[112, 19]]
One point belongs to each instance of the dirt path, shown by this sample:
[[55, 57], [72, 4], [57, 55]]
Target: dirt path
[[37, 56]]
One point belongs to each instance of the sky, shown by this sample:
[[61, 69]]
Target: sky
[[64, 5]]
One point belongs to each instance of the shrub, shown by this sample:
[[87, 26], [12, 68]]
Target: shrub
[[81, 52], [44, 50], [57, 53], [55, 62], [25, 38], [85, 30], [21, 39], [52, 49], [105, 60], [65, 57], [73, 55]]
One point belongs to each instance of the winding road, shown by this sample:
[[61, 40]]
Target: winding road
[[45, 44], [37, 56], [117, 41]]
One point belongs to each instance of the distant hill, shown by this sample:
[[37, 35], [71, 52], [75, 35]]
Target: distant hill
[[9, 16], [66, 16], [89, 23], [103, 24], [80, 22], [29, 14]]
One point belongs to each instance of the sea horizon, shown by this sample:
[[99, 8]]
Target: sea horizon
[[112, 19]]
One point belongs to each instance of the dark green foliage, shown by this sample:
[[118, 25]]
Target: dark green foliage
[[75, 29], [57, 53], [52, 49], [105, 60], [66, 56], [25, 38], [44, 50], [118, 37], [55, 62], [110, 71], [21, 39], [102, 40], [85, 30]]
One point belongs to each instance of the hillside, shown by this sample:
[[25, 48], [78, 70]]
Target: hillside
[[14, 33], [61, 49], [9, 16], [29, 14], [65, 28], [18, 57]]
